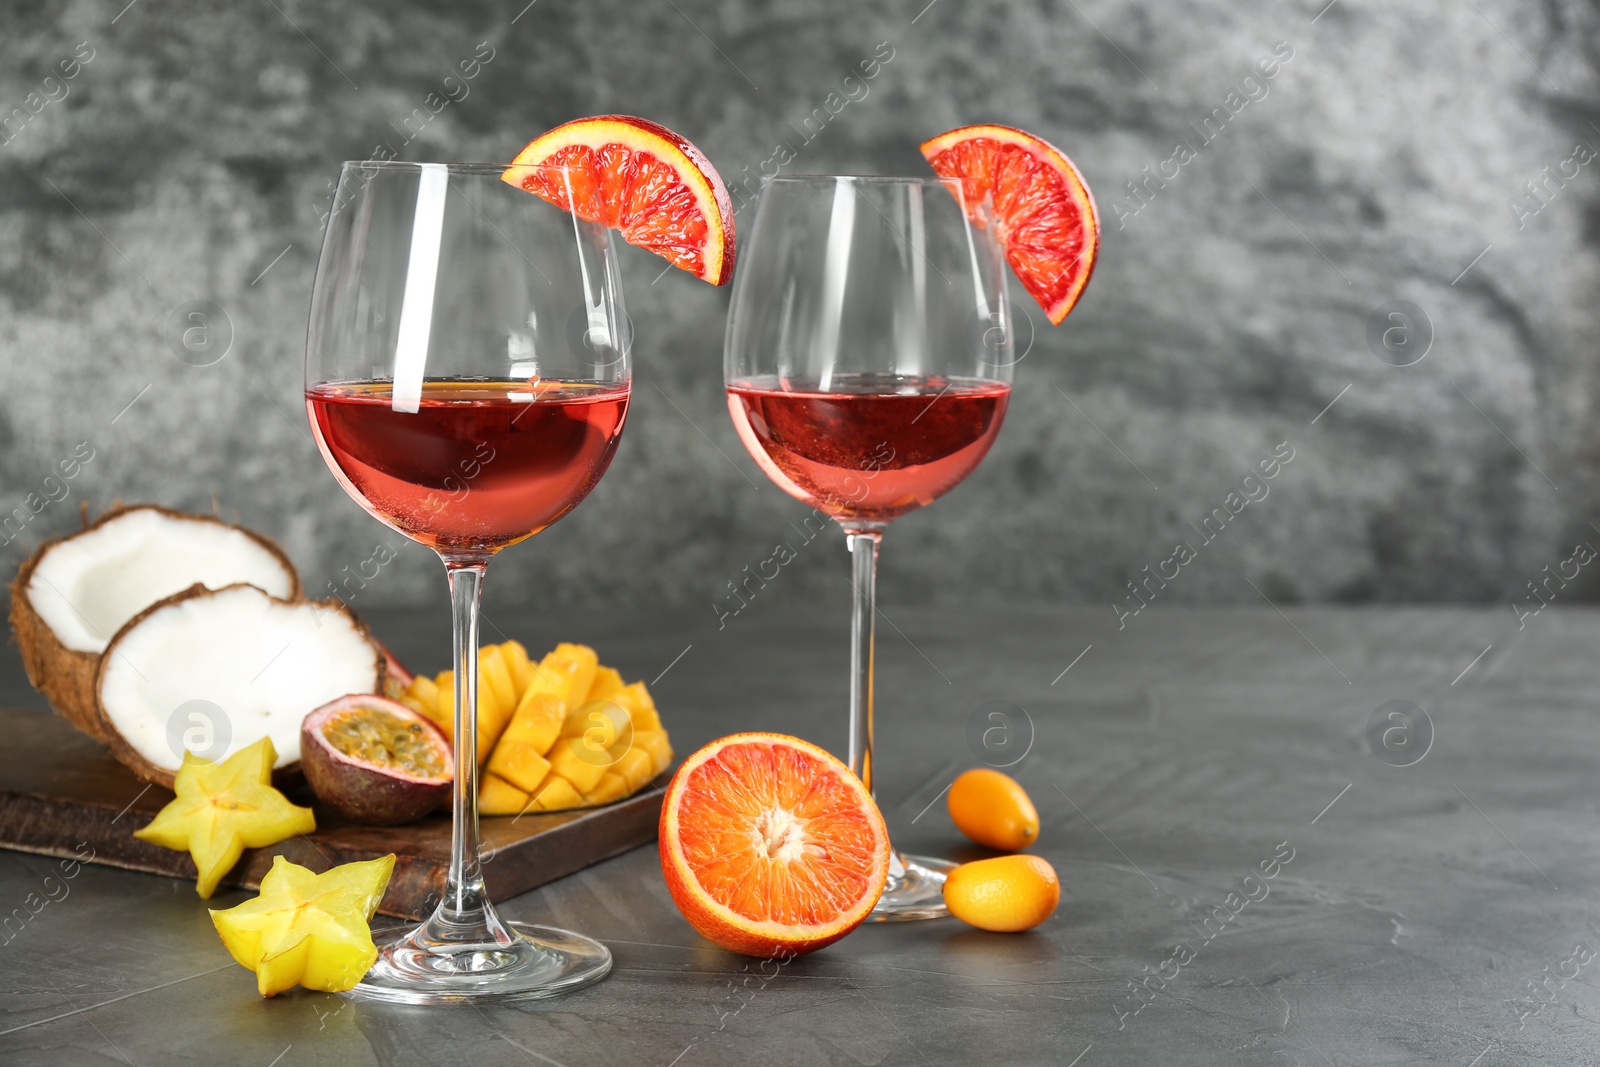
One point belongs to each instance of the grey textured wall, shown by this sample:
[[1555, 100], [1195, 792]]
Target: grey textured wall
[[189, 156]]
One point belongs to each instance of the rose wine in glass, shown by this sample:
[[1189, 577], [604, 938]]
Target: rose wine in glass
[[875, 447], [868, 368], [467, 381], [536, 451]]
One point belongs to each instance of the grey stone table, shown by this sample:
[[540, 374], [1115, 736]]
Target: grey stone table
[[1251, 876]]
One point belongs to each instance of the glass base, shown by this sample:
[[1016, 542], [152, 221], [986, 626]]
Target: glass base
[[915, 889], [524, 962]]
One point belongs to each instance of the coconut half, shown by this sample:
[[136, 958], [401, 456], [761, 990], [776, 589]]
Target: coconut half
[[215, 670], [74, 593]]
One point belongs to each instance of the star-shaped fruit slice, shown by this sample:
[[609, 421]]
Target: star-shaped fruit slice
[[224, 808], [306, 928]]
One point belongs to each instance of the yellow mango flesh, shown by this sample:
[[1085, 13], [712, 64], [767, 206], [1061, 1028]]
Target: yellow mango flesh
[[607, 682], [640, 707], [497, 699], [305, 928], [422, 697], [516, 658], [444, 704], [572, 761], [599, 725], [564, 718], [611, 787], [636, 769], [569, 670], [519, 764], [496, 796], [656, 744], [537, 721], [556, 795]]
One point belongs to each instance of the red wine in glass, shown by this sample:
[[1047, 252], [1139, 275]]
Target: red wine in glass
[[869, 447], [480, 464]]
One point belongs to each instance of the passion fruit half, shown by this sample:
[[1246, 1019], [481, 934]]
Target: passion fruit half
[[373, 760]]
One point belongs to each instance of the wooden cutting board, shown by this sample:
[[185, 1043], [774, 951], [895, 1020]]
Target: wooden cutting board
[[61, 794]]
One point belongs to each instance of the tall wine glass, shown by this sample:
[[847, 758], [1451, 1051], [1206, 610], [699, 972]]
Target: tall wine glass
[[467, 380], [868, 365]]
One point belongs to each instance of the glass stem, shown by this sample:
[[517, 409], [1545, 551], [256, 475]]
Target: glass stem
[[465, 900], [863, 546]]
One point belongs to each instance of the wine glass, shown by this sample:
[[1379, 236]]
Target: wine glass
[[467, 379], [868, 366]]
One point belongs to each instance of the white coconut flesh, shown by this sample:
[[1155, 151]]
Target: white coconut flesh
[[86, 587], [219, 670]]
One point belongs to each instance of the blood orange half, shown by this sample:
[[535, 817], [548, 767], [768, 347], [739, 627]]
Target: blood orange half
[[638, 177], [1040, 204], [770, 846]]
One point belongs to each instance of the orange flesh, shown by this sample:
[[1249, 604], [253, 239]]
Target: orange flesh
[[1039, 221], [382, 739], [631, 191], [773, 834]]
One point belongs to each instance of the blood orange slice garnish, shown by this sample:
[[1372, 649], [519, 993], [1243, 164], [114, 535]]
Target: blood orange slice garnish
[[770, 846], [640, 178], [1040, 205]]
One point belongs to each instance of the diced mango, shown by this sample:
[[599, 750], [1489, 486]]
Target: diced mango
[[494, 678], [636, 768], [520, 764], [423, 691], [556, 795], [516, 658], [607, 683], [641, 708], [445, 704], [656, 744], [537, 721], [568, 671], [423, 697], [497, 699], [599, 725], [555, 733], [496, 796], [570, 760], [611, 787]]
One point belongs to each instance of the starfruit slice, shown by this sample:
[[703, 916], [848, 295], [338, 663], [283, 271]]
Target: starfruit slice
[[224, 808], [306, 928]]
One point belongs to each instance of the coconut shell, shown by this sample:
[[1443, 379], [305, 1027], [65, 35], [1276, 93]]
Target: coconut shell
[[129, 757], [66, 677]]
